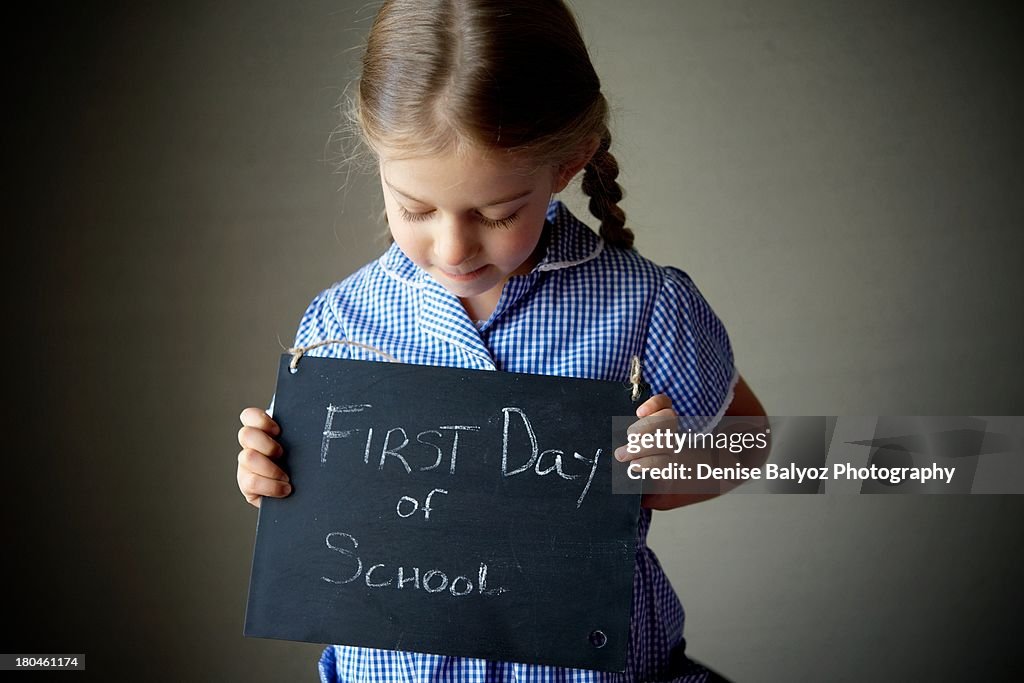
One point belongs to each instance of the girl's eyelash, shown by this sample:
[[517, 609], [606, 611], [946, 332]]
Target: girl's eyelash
[[505, 222], [413, 217]]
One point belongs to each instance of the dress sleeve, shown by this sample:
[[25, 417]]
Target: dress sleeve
[[687, 354], [320, 323]]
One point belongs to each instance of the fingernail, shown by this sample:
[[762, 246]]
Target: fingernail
[[287, 489]]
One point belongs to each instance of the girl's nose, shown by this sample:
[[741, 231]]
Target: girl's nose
[[455, 243]]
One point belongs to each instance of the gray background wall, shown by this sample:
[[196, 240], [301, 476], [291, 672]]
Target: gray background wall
[[841, 179]]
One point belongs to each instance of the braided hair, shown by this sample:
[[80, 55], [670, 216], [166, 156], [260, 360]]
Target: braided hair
[[605, 194]]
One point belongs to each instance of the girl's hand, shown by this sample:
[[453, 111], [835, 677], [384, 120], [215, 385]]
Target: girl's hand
[[657, 415], [258, 475]]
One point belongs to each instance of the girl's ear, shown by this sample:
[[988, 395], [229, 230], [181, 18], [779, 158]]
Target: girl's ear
[[568, 170]]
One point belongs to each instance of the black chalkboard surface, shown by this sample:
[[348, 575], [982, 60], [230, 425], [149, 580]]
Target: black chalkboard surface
[[450, 511]]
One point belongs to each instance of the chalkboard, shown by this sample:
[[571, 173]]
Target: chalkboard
[[441, 510]]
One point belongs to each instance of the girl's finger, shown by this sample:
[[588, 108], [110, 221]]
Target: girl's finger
[[258, 418], [253, 485], [260, 464], [653, 405], [258, 440], [649, 435], [662, 419]]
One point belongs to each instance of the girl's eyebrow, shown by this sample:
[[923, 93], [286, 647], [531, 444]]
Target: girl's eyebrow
[[497, 202]]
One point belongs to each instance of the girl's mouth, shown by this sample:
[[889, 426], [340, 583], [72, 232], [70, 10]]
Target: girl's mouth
[[464, 277]]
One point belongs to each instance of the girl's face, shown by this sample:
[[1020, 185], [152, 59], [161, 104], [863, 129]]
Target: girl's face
[[471, 221]]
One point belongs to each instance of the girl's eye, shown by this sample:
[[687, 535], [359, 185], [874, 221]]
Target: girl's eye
[[505, 222], [413, 217]]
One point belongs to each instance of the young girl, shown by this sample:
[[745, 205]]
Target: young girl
[[478, 111]]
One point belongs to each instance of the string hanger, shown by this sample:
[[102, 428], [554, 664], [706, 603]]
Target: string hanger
[[636, 377], [297, 351], [635, 367]]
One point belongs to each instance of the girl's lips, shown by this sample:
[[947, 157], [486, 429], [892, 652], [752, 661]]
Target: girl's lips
[[464, 277]]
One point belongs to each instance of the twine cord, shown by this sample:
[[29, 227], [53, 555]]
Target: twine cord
[[636, 376], [297, 351], [635, 366]]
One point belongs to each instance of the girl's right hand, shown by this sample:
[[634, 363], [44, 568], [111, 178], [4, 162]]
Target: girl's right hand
[[258, 475]]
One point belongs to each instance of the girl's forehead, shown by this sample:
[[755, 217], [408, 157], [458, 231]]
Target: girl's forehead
[[462, 164], [481, 180], [460, 156]]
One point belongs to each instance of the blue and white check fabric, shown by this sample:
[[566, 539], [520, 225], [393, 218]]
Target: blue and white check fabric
[[583, 311]]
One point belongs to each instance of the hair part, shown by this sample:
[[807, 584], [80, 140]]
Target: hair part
[[497, 76]]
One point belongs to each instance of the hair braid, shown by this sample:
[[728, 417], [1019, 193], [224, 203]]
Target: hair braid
[[605, 194]]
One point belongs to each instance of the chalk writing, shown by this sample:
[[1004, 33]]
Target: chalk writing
[[329, 433], [396, 440], [536, 456], [416, 505], [433, 580], [431, 446]]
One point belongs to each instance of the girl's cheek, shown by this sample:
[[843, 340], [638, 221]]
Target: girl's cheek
[[406, 242], [528, 242]]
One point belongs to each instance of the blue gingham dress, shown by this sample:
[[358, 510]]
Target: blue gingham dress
[[584, 311]]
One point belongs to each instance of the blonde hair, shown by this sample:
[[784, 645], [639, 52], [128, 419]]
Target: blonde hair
[[506, 75]]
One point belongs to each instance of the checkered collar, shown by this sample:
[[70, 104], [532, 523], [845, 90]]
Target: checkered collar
[[570, 241], [440, 314]]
